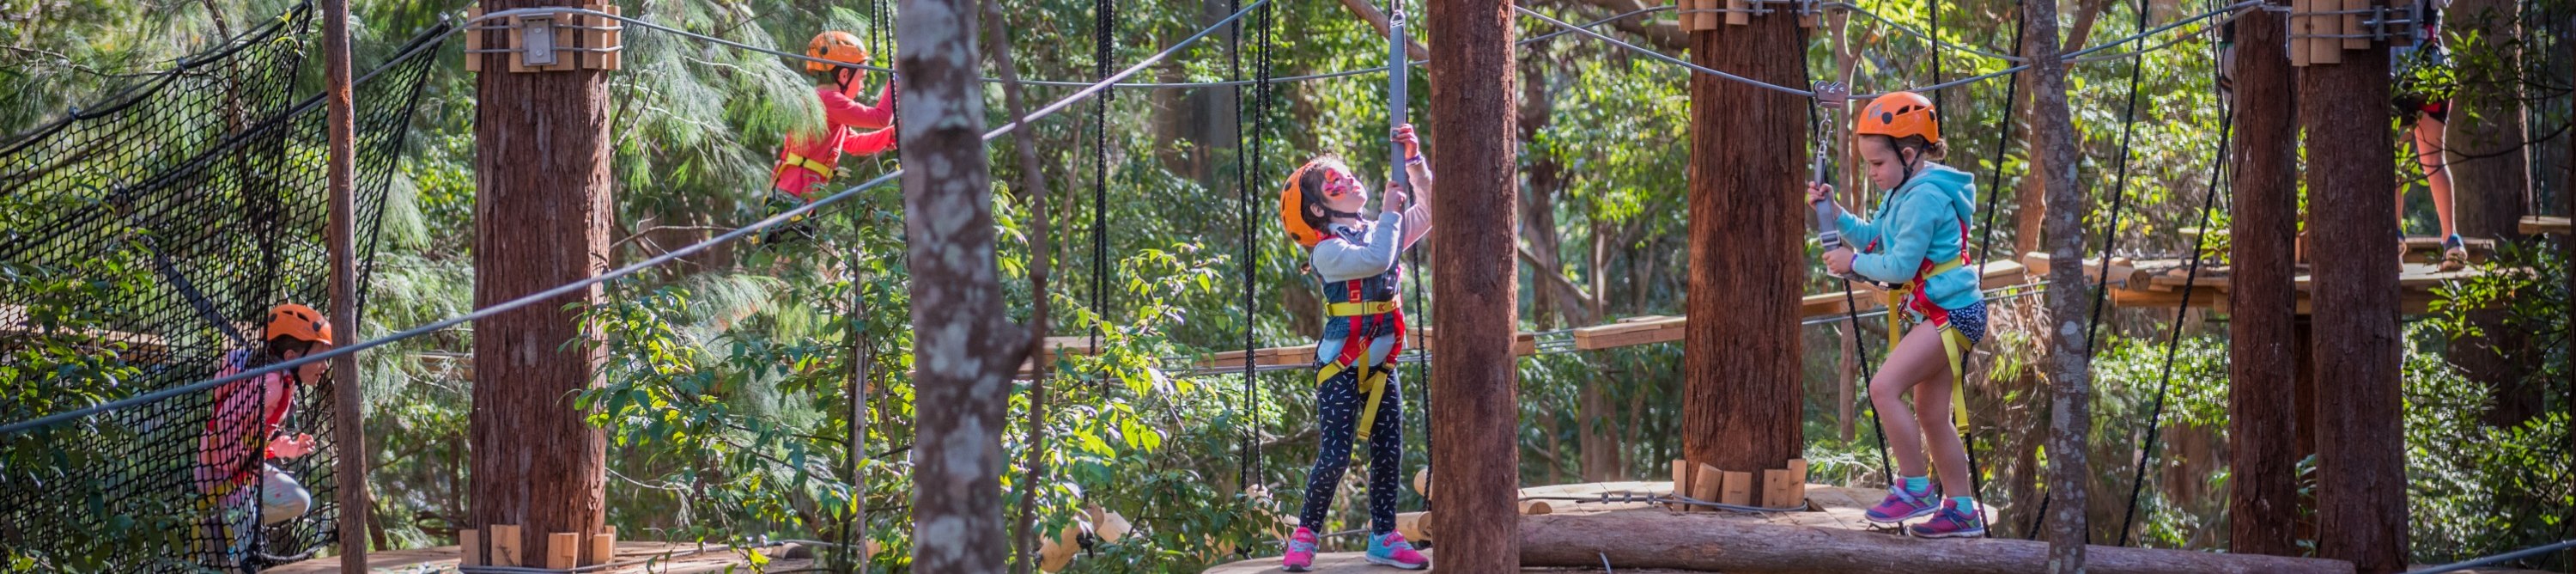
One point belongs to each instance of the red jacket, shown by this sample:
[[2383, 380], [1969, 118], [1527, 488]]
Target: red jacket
[[805, 162]]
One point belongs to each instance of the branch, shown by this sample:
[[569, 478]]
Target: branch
[[1556, 278], [1412, 48], [1662, 34]]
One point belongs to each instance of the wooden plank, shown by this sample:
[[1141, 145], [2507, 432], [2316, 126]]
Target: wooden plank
[[503, 546], [2544, 224], [563, 550], [602, 548], [1780, 489], [469, 542], [2352, 25], [1681, 482], [1708, 484], [1739, 489], [474, 38], [1703, 543]]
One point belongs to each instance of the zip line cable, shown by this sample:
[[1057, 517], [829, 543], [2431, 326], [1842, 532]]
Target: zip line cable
[[613, 274]]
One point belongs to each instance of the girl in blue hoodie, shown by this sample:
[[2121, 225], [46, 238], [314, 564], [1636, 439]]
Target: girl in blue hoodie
[[1917, 241]]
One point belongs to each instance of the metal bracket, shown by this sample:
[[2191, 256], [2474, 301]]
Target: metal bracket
[[548, 40]]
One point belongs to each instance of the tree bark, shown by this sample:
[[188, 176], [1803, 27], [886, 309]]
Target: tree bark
[[964, 347], [541, 219], [1742, 377], [348, 408], [1701, 543], [1476, 470], [2489, 192], [2031, 207], [2263, 485], [2069, 371], [2361, 472]]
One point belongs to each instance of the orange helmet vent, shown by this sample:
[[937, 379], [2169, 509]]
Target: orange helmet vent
[[300, 323], [837, 46], [1901, 114]]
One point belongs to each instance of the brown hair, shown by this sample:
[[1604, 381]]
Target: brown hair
[[1924, 150], [1310, 186]]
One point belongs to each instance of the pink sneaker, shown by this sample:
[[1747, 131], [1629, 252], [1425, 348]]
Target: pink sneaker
[[1301, 551], [1391, 550], [1951, 522], [1901, 506]]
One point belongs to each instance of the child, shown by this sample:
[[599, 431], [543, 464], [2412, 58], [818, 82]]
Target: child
[[1918, 239], [246, 419], [1355, 391], [2422, 94], [806, 161]]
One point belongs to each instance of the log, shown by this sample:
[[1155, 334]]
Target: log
[[1691, 542]]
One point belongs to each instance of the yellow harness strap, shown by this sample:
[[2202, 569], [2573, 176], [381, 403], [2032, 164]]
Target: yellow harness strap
[[790, 159], [1954, 344], [1374, 383], [1360, 308]]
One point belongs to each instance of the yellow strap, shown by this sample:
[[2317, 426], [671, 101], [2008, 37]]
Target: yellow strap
[[1360, 308], [1955, 344], [794, 160], [1376, 383]]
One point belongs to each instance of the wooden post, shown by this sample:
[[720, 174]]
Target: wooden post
[[349, 410], [469, 547], [541, 220], [1741, 395], [966, 348], [505, 545], [2069, 370], [2361, 471], [1476, 292], [2263, 501]]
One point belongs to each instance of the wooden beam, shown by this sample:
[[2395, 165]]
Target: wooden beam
[[1699, 542], [2544, 224]]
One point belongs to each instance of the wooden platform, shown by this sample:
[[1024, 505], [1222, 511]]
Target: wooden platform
[[1830, 507], [666, 558], [2163, 283]]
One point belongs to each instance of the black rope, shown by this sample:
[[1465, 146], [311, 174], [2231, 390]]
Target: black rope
[[1104, 12], [2164, 379], [1851, 303], [1262, 100], [1986, 239], [2110, 231], [1245, 213]]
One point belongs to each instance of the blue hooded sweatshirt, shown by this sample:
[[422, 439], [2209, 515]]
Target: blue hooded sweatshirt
[[1923, 221]]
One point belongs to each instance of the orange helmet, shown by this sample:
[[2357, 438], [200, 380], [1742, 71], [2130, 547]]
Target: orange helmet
[[837, 46], [1901, 114], [300, 323], [1292, 203]]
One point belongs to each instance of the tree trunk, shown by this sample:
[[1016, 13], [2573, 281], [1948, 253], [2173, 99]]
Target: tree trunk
[[2490, 192], [1701, 543], [964, 348], [2069, 373], [1742, 377], [1476, 470], [348, 407], [541, 220], [2361, 480], [2263, 491]]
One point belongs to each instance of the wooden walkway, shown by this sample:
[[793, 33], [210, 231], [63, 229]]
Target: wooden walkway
[[1829, 507], [2164, 283], [666, 558]]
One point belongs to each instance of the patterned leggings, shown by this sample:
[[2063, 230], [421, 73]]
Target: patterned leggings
[[1337, 403]]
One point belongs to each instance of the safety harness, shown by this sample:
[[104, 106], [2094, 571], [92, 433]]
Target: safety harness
[[1363, 310], [1954, 344]]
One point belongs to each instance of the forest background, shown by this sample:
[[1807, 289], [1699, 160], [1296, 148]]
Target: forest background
[[729, 389]]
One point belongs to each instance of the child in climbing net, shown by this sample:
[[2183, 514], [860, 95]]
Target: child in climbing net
[[1355, 386], [1917, 239], [241, 436]]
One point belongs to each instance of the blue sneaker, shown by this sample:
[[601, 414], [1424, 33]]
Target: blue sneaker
[[1952, 521], [1900, 506], [1390, 549]]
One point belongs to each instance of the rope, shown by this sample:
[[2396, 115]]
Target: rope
[[1986, 239], [2164, 380], [2110, 233], [2496, 559], [610, 275], [1104, 14]]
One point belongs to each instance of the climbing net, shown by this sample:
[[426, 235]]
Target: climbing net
[[143, 240]]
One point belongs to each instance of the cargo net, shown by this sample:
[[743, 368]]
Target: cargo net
[[142, 243]]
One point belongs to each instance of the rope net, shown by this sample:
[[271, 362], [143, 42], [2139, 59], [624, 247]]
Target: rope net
[[141, 245]]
